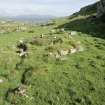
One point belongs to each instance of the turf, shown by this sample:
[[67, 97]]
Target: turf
[[78, 79]]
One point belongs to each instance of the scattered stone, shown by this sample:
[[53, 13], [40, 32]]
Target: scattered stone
[[57, 56], [57, 40], [1, 81], [62, 30], [18, 90], [53, 31], [55, 37], [51, 54], [72, 33], [21, 89], [23, 54], [72, 50], [42, 35], [63, 52], [69, 36], [78, 46]]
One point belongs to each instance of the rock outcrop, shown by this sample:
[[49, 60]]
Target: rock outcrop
[[101, 10], [97, 9], [88, 10]]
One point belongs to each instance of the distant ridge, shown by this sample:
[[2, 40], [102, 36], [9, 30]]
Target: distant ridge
[[30, 18]]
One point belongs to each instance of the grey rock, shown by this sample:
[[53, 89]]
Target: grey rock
[[101, 9]]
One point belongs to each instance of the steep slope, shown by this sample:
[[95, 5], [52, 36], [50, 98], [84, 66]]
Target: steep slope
[[86, 21], [88, 10], [101, 10]]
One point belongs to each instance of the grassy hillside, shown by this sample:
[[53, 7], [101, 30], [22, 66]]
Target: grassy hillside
[[72, 79]]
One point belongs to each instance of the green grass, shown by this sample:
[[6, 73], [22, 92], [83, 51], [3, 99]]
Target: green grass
[[79, 79]]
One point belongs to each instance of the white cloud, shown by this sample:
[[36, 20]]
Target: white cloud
[[52, 7]]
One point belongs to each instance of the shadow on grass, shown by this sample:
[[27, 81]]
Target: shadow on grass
[[90, 26]]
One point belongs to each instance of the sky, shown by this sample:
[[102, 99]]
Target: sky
[[41, 7]]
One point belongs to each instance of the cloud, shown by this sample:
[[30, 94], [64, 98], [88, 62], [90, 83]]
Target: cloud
[[51, 7]]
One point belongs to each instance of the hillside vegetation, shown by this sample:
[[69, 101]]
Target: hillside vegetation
[[47, 77]]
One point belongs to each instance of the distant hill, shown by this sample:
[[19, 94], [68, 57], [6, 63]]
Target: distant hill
[[30, 18]]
